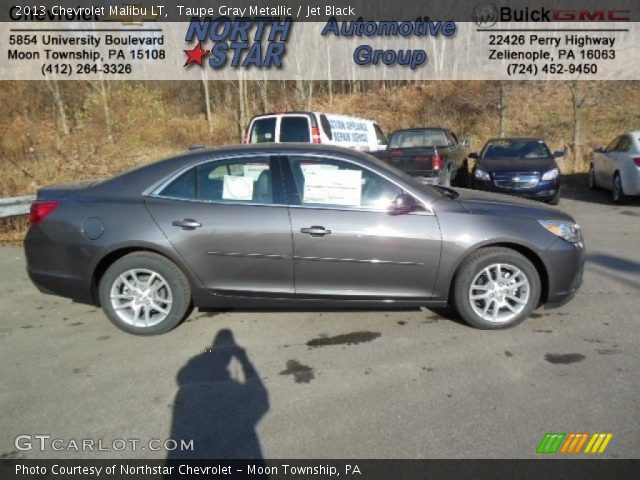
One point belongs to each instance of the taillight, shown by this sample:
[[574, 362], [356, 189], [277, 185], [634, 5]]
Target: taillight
[[40, 210], [246, 135], [437, 162], [396, 153], [315, 135], [637, 161]]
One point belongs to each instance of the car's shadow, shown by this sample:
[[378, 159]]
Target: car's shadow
[[576, 187], [432, 313]]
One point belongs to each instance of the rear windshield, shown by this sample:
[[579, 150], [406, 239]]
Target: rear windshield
[[263, 130], [294, 129], [418, 138], [516, 149]]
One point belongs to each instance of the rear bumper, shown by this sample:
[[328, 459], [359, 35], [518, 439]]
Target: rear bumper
[[54, 269], [430, 178]]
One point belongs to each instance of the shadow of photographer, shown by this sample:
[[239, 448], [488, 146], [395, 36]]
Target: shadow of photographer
[[215, 410]]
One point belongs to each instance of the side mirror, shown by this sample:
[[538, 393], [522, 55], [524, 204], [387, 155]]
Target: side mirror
[[473, 155], [466, 142], [558, 154], [402, 204], [599, 149]]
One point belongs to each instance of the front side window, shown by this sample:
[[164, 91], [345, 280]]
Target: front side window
[[336, 183], [263, 130], [294, 129], [242, 181]]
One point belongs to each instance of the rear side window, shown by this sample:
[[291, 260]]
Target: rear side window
[[263, 130], [294, 129], [183, 187], [326, 126], [241, 181], [624, 144], [381, 139]]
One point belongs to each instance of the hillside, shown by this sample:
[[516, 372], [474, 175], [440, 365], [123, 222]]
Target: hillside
[[58, 131]]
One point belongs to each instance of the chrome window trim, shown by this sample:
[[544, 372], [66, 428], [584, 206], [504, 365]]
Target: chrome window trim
[[154, 191]]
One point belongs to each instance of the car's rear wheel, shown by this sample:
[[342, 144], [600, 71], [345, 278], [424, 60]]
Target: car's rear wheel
[[145, 294], [618, 193], [496, 288], [592, 178]]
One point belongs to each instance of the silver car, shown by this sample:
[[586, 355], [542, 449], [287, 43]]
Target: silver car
[[616, 167]]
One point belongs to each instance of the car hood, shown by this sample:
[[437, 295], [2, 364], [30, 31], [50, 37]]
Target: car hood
[[488, 203], [499, 165]]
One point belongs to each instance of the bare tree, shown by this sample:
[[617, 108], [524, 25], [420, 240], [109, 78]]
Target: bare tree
[[60, 107], [207, 101], [502, 107]]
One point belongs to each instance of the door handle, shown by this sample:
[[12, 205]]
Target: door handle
[[186, 224], [316, 231]]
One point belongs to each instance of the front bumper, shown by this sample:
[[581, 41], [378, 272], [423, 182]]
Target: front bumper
[[565, 267], [543, 191]]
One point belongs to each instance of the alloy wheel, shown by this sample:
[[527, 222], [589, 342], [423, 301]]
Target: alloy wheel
[[141, 297], [499, 293]]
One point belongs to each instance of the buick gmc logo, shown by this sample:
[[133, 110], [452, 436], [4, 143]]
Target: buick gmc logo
[[485, 15]]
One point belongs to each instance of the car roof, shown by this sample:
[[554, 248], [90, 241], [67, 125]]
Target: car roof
[[516, 139], [417, 129]]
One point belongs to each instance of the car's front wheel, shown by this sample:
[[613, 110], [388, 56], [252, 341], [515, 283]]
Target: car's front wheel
[[145, 294], [496, 288]]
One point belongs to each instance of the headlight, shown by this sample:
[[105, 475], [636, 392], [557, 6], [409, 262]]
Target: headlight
[[551, 174], [482, 174], [569, 231]]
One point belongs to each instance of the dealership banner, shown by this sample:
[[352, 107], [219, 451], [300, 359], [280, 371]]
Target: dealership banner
[[306, 41], [322, 469]]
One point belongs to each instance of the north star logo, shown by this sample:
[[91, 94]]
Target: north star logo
[[196, 55], [239, 43]]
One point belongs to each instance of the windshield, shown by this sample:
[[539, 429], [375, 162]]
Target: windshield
[[516, 149], [418, 138]]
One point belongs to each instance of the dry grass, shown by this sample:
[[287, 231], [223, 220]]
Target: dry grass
[[152, 120]]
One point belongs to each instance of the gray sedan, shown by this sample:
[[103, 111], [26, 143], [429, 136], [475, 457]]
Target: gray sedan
[[616, 167], [280, 226]]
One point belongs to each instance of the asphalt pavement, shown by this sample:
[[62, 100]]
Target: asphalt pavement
[[330, 384]]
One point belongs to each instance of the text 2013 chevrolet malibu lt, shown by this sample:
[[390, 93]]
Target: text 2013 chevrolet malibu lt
[[295, 225]]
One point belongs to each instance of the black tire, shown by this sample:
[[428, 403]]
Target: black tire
[[462, 177], [475, 264], [555, 200], [618, 194], [177, 282], [592, 178], [446, 178]]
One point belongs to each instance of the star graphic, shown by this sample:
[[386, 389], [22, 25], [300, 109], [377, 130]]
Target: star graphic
[[196, 55]]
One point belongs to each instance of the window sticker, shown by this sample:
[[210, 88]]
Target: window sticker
[[330, 186], [237, 188]]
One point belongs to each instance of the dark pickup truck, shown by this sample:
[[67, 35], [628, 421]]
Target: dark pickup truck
[[433, 155]]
